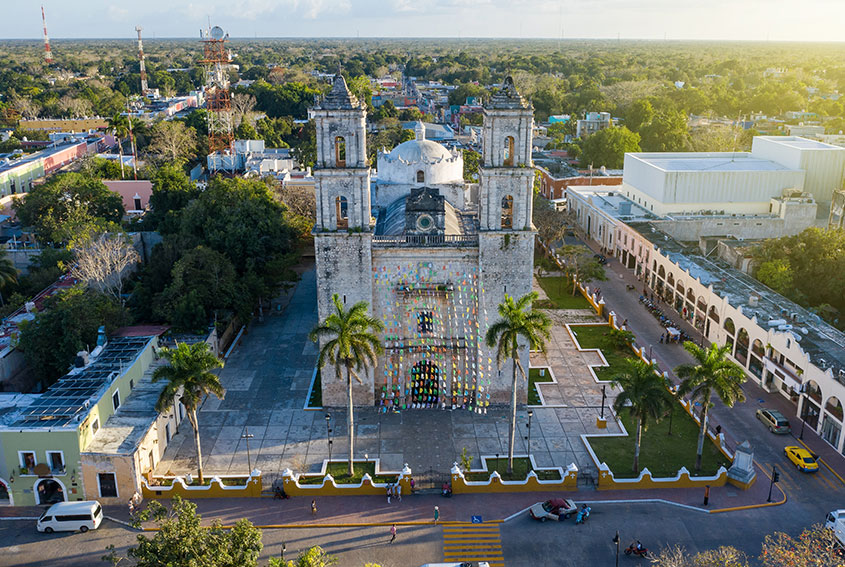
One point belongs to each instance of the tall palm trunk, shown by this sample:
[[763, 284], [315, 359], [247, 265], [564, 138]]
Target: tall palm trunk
[[120, 153], [195, 425], [512, 432], [702, 433], [350, 420], [637, 446]]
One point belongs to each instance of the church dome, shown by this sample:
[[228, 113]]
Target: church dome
[[420, 151]]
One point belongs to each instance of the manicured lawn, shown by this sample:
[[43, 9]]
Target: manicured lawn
[[596, 336], [559, 290], [521, 467], [533, 377], [315, 396], [661, 453], [338, 470]]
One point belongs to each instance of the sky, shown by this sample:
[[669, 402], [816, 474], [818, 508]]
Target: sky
[[773, 20]]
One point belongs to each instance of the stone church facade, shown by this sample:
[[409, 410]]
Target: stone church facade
[[431, 255]]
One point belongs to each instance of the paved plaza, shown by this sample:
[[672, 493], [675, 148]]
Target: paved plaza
[[268, 375]]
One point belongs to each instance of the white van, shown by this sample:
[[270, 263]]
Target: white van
[[71, 516]]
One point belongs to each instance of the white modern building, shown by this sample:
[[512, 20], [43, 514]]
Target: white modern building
[[734, 183]]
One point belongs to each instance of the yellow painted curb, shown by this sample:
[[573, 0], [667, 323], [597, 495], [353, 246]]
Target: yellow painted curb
[[823, 462], [351, 525], [752, 506]]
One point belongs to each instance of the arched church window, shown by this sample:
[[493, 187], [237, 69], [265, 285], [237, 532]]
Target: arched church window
[[342, 212], [507, 212], [340, 151], [425, 322], [420, 176], [508, 152]]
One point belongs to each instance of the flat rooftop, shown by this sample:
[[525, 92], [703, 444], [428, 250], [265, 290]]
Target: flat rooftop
[[64, 403], [709, 161], [823, 343], [609, 200], [800, 143]]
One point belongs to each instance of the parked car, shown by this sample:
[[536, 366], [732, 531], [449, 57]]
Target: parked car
[[801, 458], [774, 420], [557, 509], [71, 516]]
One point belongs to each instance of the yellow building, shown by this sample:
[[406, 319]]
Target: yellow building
[[65, 125]]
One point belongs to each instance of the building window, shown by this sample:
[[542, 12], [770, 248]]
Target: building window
[[95, 426], [115, 399], [342, 212], [167, 432], [108, 484], [28, 461], [508, 152], [137, 202], [507, 212], [340, 151], [56, 460], [420, 176], [131, 384], [425, 322]]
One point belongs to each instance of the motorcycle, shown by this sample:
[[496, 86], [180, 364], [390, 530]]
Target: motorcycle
[[637, 549], [583, 514]]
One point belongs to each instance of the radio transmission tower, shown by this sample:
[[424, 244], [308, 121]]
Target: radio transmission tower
[[218, 102], [144, 88], [48, 55]]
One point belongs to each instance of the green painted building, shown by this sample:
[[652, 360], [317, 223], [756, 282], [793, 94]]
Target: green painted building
[[17, 177], [43, 435]]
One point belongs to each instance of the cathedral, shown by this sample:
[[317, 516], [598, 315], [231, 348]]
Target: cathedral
[[433, 256]]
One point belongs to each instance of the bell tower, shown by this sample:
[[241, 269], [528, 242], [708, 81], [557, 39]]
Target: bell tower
[[506, 233], [343, 229]]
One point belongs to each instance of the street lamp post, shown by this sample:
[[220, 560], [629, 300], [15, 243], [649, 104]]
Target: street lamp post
[[603, 398], [530, 415], [329, 434], [616, 541], [246, 437], [284, 548], [775, 479]]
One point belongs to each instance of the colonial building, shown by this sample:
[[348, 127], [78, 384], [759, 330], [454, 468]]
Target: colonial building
[[432, 256]]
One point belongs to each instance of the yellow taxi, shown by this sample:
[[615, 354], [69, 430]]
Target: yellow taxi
[[801, 458]]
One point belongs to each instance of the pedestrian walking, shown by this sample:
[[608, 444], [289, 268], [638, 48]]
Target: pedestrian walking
[[436, 514], [389, 492], [662, 337], [393, 533], [313, 507], [412, 485], [399, 492]]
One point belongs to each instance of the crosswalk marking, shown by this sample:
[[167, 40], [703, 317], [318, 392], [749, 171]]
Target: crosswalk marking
[[473, 542]]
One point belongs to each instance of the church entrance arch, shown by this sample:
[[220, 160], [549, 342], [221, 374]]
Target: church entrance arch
[[6, 498], [425, 384], [50, 491]]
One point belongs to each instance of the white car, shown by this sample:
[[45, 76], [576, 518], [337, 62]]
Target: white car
[[70, 517], [557, 509]]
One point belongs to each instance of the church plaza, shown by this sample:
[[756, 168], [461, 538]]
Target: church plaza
[[267, 378]]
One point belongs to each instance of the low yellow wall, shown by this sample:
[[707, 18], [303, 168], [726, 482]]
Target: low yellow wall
[[495, 484], [329, 488], [684, 480], [214, 490]]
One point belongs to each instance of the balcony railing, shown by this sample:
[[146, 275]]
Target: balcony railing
[[423, 240]]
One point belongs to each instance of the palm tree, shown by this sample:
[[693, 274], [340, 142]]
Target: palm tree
[[189, 376], [645, 396], [713, 372], [517, 321], [8, 272], [352, 345], [120, 126]]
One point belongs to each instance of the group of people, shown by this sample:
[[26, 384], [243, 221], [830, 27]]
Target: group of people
[[394, 489]]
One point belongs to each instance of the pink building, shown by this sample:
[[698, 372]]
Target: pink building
[[135, 194]]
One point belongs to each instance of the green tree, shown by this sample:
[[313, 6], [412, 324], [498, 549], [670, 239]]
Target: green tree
[[579, 265], [119, 125], [777, 274], [644, 396], [472, 161], [172, 191], [173, 142], [58, 208], [8, 272], [350, 344], [517, 323], [667, 132], [189, 379], [608, 147], [180, 540], [311, 557], [711, 373], [639, 114], [459, 95], [67, 324]]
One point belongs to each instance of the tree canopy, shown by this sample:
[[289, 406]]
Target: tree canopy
[[608, 147]]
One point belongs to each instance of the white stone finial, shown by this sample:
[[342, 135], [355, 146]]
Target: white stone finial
[[419, 130]]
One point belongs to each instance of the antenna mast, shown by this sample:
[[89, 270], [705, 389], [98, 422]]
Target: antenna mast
[[218, 103], [48, 55], [144, 88]]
